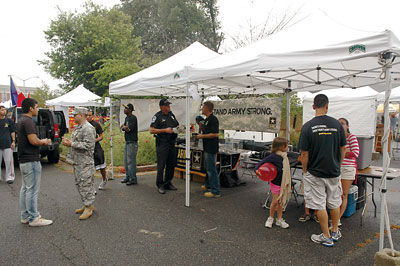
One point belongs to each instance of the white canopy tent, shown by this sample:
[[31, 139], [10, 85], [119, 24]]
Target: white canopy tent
[[297, 59], [394, 95], [358, 106], [80, 96], [169, 78]]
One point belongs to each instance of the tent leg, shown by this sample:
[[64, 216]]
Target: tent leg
[[187, 180], [386, 160], [111, 139], [287, 92]]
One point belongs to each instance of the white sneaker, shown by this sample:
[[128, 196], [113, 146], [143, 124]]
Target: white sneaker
[[39, 221], [282, 223], [102, 185], [25, 221], [269, 222]]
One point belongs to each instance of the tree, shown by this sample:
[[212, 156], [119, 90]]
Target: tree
[[168, 26], [44, 93], [272, 24], [92, 48]]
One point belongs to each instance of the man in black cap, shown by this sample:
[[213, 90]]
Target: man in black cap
[[162, 126], [130, 128]]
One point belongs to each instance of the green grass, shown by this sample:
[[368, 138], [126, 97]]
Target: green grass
[[146, 146]]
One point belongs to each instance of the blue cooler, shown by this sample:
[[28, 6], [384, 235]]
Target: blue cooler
[[351, 201]]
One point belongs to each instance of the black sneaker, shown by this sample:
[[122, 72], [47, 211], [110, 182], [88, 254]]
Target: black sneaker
[[161, 190], [130, 183], [10, 182], [124, 180], [170, 187], [304, 218]]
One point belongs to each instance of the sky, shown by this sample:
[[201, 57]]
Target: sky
[[23, 22]]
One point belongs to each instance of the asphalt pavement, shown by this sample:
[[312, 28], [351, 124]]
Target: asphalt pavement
[[137, 226]]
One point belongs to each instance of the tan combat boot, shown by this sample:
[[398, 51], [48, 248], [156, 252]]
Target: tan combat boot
[[80, 211], [87, 212]]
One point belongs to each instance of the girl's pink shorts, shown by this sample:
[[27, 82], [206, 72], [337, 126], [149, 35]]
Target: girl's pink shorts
[[274, 188]]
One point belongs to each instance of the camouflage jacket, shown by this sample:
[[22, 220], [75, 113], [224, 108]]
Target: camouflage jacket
[[83, 139]]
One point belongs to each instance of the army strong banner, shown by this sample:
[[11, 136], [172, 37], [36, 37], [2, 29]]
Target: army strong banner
[[250, 114]]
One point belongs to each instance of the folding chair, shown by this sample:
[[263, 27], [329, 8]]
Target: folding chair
[[295, 194]]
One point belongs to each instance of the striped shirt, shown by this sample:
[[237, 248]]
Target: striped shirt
[[352, 145]]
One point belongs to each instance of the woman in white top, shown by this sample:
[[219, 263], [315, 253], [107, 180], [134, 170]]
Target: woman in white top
[[348, 168]]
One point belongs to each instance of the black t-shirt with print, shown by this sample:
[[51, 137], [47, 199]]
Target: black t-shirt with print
[[132, 134], [26, 151], [211, 125], [99, 130], [7, 126], [323, 137]]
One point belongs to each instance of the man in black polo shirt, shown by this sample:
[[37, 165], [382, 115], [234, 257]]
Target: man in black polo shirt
[[130, 128], [322, 144], [210, 130], [162, 126]]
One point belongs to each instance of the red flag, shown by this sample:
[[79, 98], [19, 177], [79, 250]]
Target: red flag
[[29, 95], [21, 97]]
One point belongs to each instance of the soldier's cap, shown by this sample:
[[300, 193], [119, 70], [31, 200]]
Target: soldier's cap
[[164, 101], [80, 110], [129, 106]]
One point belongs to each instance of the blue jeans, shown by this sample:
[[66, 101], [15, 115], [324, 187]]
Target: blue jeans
[[130, 150], [212, 180], [31, 173]]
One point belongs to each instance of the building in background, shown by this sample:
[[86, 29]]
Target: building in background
[[5, 91]]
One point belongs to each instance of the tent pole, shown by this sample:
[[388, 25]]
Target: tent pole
[[386, 158], [111, 139], [287, 92], [187, 157]]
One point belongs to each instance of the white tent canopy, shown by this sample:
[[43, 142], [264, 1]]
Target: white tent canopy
[[167, 77], [80, 96], [311, 60], [301, 59], [358, 106], [394, 95]]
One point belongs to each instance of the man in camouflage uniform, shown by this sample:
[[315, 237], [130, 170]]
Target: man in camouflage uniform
[[81, 151]]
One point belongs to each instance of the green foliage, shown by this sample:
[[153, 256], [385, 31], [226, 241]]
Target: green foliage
[[43, 94], [168, 26], [91, 48]]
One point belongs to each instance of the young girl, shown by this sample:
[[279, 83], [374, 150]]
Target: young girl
[[348, 168], [281, 185]]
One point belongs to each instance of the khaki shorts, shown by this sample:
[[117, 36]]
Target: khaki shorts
[[348, 172], [320, 193]]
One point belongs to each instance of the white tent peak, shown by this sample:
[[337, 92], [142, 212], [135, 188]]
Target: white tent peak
[[157, 79], [80, 96]]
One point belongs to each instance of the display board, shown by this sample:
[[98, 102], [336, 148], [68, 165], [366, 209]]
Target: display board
[[250, 114]]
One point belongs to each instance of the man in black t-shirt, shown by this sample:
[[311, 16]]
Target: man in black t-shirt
[[130, 128], [29, 164], [99, 161], [322, 144], [162, 126], [210, 130], [7, 144]]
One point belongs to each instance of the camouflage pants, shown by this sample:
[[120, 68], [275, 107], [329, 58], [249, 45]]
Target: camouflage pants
[[84, 181]]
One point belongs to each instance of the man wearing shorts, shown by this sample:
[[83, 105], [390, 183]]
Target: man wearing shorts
[[322, 144]]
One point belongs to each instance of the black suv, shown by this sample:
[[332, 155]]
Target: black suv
[[50, 124]]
